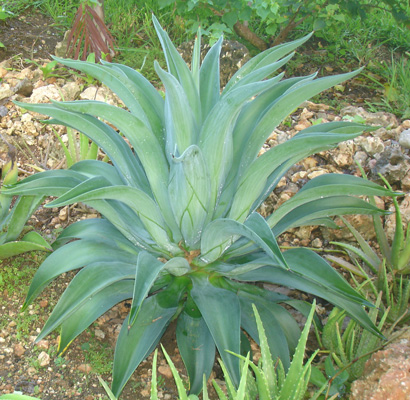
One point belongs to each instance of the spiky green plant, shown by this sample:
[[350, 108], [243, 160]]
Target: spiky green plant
[[180, 235], [270, 381], [14, 216]]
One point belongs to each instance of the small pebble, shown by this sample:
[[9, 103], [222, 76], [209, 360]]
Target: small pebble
[[19, 350], [43, 359], [404, 139], [86, 368], [3, 111], [165, 370]]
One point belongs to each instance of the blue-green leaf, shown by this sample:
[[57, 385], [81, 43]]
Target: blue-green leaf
[[265, 58], [197, 348], [221, 311], [189, 192], [309, 212], [283, 106], [146, 209], [215, 138], [131, 87], [261, 176], [277, 340], [144, 142], [178, 68], [221, 233], [90, 168], [328, 185], [146, 272], [180, 125], [136, 342], [103, 135], [311, 274], [61, 261], [147, 95], [94, 229], [209, 86], [51, 183], [30, 242], [85, 285]]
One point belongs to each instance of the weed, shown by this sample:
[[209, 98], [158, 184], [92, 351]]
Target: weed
[[4, 14], [98, 354], [26, 321], [49, 69], [62, 11], [18, 272], [396, 87]]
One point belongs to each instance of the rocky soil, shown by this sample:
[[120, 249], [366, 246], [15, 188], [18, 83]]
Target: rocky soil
[[35, 369]]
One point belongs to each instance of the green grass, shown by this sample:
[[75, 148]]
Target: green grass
[[131, 25], [17, 273], [395, 84], [98, 354], [62, 11]]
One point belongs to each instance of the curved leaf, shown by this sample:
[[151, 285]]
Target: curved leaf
[[262, 72], [91, 168], [85, 286], [47, 183], [151, 101], [221, 311], [103, 135], [96, 229], [146, 272], [264, 58], [311, 274], [145, 144], [62, 260], [11, 249], [178, 68], [136, 93], [221, 233], [137, 200], [283, 106], [309, 212], [197, 348], [324, 186], [261, 176], [136, 342], [189, 192], [180, 125], [215, 138], [209, 81]]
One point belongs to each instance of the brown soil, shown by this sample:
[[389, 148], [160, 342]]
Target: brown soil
[[30, 35]]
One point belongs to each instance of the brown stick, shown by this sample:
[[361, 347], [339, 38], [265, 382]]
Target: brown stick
[[244, 32]]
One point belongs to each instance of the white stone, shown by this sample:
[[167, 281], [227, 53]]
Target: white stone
[[43, 359], [100, 94], [71, 91], [99, 334], [371, 145], [44, 94], [404, 139]]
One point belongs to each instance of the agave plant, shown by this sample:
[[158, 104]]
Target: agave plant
[[180, 234]]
